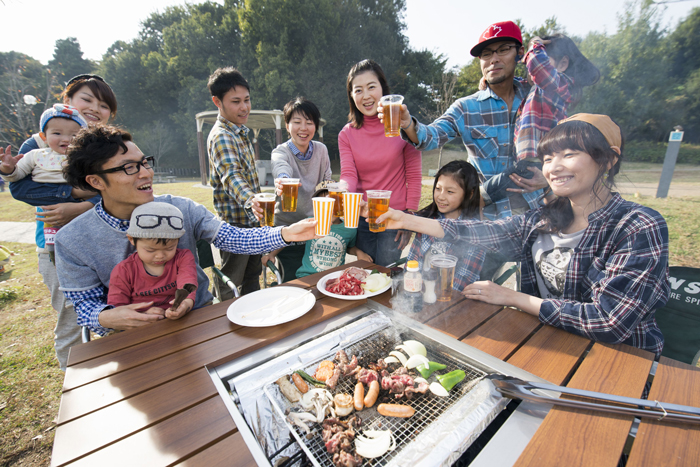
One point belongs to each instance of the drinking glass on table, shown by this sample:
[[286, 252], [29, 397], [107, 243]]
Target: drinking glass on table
[[391, 105], [323, 214], [378, 201], [267, 202], [290, 194], [444, 265]]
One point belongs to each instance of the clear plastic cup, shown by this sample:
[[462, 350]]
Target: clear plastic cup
[[378, 201], [391, 108], [290, 194], [444, 265], [267, 202], [335, 191]]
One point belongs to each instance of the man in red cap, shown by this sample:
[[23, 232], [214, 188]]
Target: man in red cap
[[486, 121]]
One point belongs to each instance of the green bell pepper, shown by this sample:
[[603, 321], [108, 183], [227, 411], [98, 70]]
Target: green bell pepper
[[432, 367], [310, 379], [449, 380]]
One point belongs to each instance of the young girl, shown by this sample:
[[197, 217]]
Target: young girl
[[592, 263], [371, 161], [455, 196], [559, 72]]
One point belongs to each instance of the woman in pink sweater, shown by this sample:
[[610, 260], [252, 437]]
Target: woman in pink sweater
[[371, 161]]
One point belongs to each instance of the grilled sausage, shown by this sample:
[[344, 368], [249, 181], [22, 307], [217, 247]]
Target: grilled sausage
[[372, 394], [359, 396], [288, 389], [395, 410], [300, 383]]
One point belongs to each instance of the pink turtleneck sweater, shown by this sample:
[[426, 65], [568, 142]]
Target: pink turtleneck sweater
[[371, 161]]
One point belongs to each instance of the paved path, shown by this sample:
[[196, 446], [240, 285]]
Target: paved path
[[21, 232]]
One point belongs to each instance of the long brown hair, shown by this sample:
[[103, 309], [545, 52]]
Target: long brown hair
[[578, 136], [355, 117], [467, 177]]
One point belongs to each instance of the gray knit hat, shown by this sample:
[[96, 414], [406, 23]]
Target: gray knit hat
[[156, 220]]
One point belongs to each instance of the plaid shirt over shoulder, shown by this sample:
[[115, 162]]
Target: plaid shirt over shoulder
[[546, 104], [233, 175], [487, 130], [616, 279]]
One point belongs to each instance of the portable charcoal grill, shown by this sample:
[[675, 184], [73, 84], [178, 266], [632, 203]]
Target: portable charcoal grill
[[440, 430]]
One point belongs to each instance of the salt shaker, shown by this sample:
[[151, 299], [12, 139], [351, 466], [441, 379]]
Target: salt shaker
[[412, 280], [429, 279]]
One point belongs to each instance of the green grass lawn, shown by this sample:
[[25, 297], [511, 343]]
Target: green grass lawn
[[30, 380]]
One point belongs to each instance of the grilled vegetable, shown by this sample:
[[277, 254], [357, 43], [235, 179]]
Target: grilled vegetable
[[438, 390], [416, 360], [372, 444], [288, 390], [402, 358], [449, 380], [359, 396], [324, 370], [426, 371], [343, 404], [372, 394], [416, 347], [396, 410], [311, 379], [300, 383]]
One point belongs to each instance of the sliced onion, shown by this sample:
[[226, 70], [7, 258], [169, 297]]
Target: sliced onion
[[391, 360], [437, 389], [420, 379], [416, 347], [416, 360], [372, 444], [402, 358], [409, 351]]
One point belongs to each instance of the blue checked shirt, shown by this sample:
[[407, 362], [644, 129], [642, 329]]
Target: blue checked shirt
[[487, 128], [298, 154], [89, 303], [616, 279], [233, 174]]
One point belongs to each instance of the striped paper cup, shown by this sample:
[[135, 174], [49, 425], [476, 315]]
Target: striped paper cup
[[323, 213], [351, 205]]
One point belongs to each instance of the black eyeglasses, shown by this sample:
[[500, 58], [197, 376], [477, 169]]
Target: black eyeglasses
[[151, 221], [130, 168], [85, 77], [487, 53]]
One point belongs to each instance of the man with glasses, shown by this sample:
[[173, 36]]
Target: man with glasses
[[106, 159], [486, 121]]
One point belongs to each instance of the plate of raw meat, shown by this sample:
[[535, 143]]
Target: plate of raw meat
[[347, 284]]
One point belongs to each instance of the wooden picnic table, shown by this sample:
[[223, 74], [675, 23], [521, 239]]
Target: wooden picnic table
[[144, 397]]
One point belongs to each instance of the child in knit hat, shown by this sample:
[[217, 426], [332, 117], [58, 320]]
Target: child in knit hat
[[58, 125], [158, 272]]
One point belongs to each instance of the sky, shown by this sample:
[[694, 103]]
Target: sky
[[449, 27]]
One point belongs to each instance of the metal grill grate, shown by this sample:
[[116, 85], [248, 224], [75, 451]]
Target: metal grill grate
[[428, 407]]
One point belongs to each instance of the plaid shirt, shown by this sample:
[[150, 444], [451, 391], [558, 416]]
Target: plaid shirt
[[616, 279], [470, 258], [487, 130], [89, 303], [546, 104], [232, 172]]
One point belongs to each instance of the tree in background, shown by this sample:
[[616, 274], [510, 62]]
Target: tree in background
[[25, 92], [68, 60], [157, 140]]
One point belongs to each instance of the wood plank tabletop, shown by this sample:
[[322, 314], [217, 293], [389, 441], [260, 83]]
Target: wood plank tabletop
[[663, 443], [144, 397]]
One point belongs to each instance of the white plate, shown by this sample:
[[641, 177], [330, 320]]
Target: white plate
[[249, 310], [321, 286]]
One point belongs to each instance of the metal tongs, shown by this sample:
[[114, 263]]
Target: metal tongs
[[515, 388]]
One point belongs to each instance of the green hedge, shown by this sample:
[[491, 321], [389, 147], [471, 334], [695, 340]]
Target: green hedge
[[647, 151]]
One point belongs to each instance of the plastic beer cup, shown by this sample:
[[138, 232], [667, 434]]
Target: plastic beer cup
[[290, 194], [391, 106], [335, 191], [267, 202], [323, 213], [378, 201], [445, 268], [351, 209]]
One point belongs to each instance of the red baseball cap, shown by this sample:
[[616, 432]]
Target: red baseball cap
[[498, 32]]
